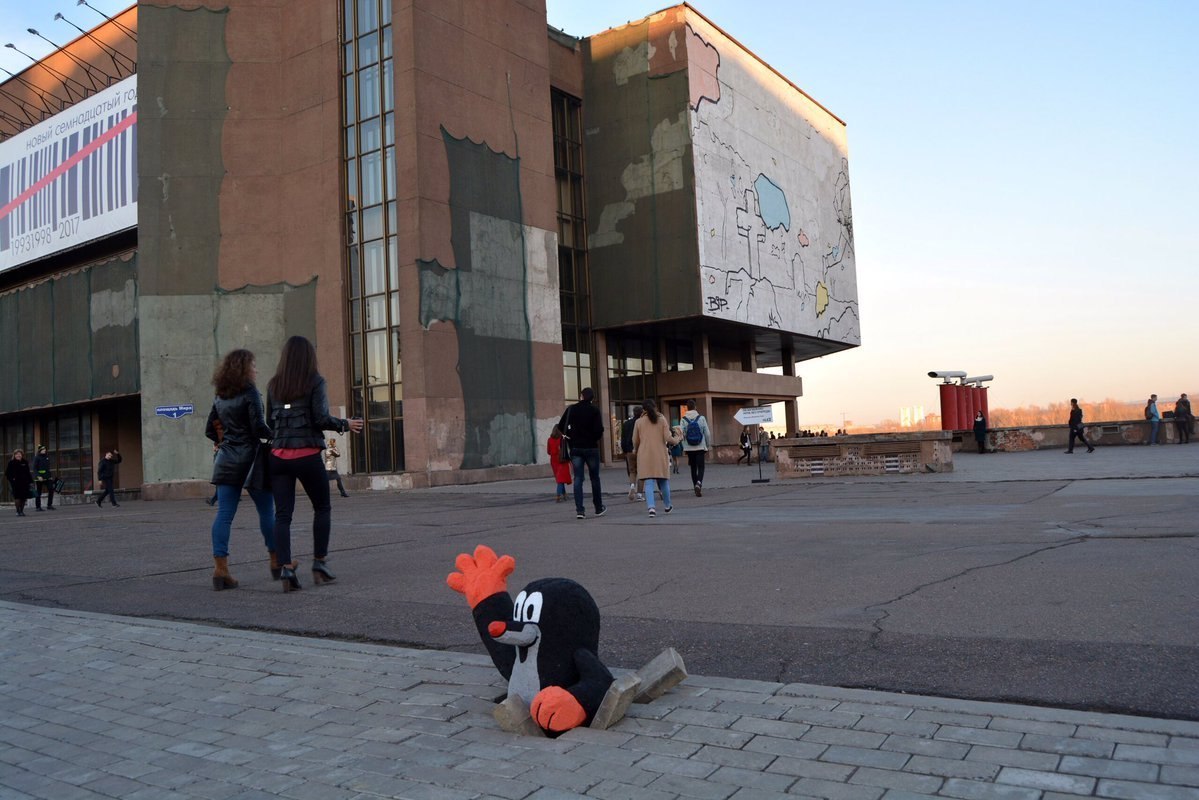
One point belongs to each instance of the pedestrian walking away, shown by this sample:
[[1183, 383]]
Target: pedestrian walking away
[[763, 445], [331, 473], [238, 429], [697, 440], [553, 448], [107, 475], [980, 431], [20, 480], [297, 411], [745, 447], [1076, 430], [43, 478], [1183, 419], [583, 425], [1154, 417], [636, 487], [652, 440]]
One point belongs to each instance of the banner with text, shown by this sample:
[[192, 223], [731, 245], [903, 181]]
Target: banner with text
[[70, 179]]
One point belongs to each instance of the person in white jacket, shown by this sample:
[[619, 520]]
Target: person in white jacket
[[697, 440]]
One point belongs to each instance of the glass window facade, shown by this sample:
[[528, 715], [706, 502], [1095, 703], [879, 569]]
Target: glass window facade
[[573, 274], [371, 248], [68, 438]]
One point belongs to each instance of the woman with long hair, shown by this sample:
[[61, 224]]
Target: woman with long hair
[[298, 410], [236, 425], [652, 439]]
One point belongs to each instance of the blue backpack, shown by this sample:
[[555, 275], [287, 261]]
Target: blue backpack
[[693, 434]]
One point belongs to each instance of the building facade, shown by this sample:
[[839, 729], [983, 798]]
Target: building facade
[[472, 215]]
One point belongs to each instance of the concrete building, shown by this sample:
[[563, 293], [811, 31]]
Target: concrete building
[[471, 214]]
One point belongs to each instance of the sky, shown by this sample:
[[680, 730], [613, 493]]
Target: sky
[[1025, 185], [1025, 181]]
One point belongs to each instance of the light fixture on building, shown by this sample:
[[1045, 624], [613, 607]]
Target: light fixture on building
[[65, 80], [88, 69], [128, 32], [116, 56]]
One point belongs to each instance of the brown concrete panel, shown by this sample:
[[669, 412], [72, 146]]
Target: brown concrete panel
[[308, 25], [245, 139], [566, 67], [253, 91], [255, 34]]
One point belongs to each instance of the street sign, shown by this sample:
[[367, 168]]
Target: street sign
[[754, 415], [175, 412]]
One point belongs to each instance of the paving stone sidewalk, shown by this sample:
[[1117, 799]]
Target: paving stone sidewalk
[[97, 706]]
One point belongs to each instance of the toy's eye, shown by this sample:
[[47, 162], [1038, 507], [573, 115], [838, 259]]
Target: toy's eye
[[533, 605], [518, 607]]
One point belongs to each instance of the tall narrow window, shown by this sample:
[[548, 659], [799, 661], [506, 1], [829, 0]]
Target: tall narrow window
[[372, 283], [574, 277]]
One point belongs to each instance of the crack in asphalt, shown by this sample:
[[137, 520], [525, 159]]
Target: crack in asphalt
[[877, 624]]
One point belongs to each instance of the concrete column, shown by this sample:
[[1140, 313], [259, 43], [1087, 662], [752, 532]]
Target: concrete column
[[603, 396]]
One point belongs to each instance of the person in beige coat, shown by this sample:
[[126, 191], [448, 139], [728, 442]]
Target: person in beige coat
[[652, 439]]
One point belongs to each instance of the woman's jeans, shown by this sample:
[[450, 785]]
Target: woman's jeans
[[663, 487], [228, 498], [310, 472]]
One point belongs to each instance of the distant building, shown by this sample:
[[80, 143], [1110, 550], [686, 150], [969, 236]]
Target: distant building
[[471, 214], [911, 416]]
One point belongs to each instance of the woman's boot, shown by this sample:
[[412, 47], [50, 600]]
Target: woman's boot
[[221, 579], [275, 568]]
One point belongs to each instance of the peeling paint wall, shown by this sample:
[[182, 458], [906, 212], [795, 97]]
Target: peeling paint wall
[[500, 297], [640, 195]]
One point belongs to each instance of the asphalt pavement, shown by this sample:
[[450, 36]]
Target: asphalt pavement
[[1028, 617]]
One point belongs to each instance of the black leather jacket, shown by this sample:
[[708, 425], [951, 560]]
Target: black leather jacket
[[241, 418], [302, 423]]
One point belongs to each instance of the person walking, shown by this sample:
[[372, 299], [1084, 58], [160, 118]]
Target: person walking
[[980, 431], [43, 478], [583, 425], [1154, 417], [297, 410], [553, 448], [697, 440], [1076, 431], [1183, 419], [652, 440], [107, 474], [763, 445], [237, 427], [20, 479], [636, 487], [331, 473], [745, 447]]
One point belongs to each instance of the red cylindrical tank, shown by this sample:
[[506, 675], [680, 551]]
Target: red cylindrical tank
[[949, 407], [965, 418], [982, 398]]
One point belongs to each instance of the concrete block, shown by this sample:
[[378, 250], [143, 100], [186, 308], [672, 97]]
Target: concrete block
[[513, 717], [660, 675], [616, 701]]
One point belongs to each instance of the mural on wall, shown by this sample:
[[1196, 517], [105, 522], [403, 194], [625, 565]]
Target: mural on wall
[[496, 297], [772, 197]]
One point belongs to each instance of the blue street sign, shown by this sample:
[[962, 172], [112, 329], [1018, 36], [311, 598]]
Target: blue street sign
[[175, 412]]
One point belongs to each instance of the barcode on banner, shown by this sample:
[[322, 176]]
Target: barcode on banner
[[47, 193]]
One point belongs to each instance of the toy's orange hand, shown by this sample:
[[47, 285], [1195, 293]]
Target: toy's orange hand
[[481, 575], [557, 710]]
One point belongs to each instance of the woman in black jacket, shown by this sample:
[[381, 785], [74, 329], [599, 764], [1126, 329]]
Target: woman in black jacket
[[20, 479], [237, 413], [298, 411]]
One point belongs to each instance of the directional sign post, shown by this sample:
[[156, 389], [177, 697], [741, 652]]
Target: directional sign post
[[756, 415]]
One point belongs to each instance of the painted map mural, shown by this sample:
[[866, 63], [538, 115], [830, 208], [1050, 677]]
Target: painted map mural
[[772, 196]]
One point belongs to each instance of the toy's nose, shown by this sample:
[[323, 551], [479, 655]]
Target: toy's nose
[[497, 628]]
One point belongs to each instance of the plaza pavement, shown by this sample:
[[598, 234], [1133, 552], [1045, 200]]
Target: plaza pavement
[[101, 705]]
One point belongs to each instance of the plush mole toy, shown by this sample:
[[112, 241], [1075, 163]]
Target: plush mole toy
[[544, 642]]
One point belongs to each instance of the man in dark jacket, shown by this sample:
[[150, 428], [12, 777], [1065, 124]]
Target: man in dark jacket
[[107, 473], [1076, 431], [43, 478], [1183, 419], [584, 426]]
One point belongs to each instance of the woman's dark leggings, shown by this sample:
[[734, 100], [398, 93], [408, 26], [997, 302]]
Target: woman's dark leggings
[[310, 472]]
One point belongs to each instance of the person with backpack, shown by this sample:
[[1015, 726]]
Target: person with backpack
[[583, 425], [697, 440], [636, 487]]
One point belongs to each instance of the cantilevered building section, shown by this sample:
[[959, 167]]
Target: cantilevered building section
[[719, 213]]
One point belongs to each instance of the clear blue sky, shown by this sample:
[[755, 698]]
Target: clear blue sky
[[1025, 182], [1025, 187]]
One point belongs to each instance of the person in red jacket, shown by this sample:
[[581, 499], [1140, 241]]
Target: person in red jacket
[[561, 468]]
